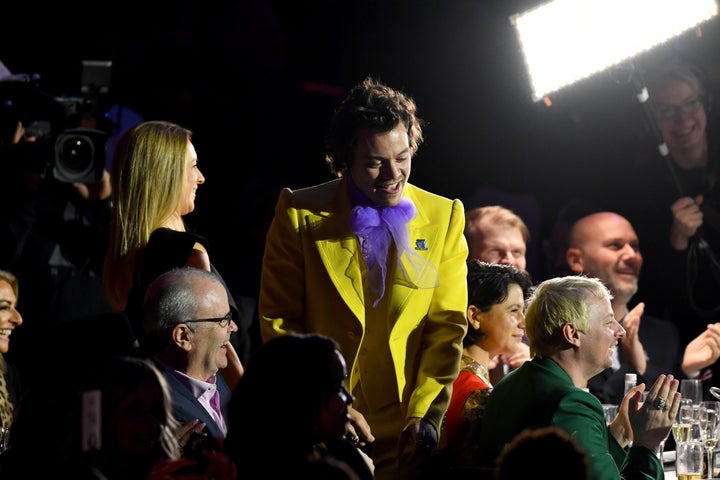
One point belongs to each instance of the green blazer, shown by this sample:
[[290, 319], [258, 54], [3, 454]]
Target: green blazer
[[312, 281], [539, 393]]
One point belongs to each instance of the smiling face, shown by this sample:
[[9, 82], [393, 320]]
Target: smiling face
[[680, 116], [9, 316], [193, 178], [381, 165], [504, 324], [208, 353], [605, 245], [600, 340]]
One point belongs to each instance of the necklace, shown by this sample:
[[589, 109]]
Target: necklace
[[469, 364]]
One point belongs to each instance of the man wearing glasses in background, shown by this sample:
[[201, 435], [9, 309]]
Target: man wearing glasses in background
[[674, 203], [188, 322]]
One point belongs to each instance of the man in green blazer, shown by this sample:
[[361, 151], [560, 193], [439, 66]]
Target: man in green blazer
[[378, 265], [572, 332]]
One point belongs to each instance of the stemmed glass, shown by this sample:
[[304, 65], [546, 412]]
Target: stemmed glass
[[682, 424], [709, 416]]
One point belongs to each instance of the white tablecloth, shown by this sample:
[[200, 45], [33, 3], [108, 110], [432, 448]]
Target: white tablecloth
[[669, 465], [670, 473]]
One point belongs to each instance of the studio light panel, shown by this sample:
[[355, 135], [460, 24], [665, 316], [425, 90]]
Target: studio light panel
[[565, 41]]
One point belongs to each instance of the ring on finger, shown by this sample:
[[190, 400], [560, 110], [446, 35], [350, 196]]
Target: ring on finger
[[660, 403]]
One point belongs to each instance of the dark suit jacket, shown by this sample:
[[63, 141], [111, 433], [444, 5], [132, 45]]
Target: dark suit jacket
[[539, 393], [661, 341], [186, 407]]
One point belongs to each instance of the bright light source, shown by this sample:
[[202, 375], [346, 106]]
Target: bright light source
[[568, 40]]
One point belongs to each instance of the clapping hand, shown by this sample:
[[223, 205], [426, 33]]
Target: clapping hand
[[620, 427], [651, 420], [632, 348], [702, 351]]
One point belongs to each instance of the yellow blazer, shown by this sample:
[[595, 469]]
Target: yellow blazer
[[311, 282]]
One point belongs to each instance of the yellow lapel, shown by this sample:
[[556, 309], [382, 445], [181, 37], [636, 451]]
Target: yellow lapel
[[338, 248]]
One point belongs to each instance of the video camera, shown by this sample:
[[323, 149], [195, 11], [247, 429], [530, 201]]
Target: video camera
[[61, 145]]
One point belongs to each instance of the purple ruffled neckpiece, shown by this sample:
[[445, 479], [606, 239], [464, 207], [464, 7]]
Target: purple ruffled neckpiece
[[376, 225]]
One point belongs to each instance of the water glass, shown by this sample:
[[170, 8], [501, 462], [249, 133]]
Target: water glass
[[710, 429], [690, 457], [611, 412], [692, 388]]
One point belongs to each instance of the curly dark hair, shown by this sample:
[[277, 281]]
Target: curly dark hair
[[369, 105]]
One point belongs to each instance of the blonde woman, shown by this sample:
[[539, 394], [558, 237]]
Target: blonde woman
[[10, 318], [155, 177]]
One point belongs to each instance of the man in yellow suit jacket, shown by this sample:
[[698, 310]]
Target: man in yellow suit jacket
[[378, 265]]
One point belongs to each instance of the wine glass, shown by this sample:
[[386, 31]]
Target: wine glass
[[682, 423], [709, 416], [682, 427]]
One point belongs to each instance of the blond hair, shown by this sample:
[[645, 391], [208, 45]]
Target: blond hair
[[556, 302], [148, 172]]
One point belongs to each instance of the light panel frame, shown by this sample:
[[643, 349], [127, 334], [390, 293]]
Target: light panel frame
[[565, 41]]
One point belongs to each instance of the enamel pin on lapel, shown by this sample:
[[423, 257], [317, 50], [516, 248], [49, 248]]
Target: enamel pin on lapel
[[420, 244]]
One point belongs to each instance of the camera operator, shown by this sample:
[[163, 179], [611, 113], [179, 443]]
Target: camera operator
[[54, 229], [675, 202]]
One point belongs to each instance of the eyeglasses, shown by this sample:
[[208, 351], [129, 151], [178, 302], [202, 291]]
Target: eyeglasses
[[222, 321], [670, 111]]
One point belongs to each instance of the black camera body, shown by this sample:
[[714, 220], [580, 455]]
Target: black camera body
[[64, 149]]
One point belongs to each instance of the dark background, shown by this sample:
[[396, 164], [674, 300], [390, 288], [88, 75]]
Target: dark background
[[257, 80]]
